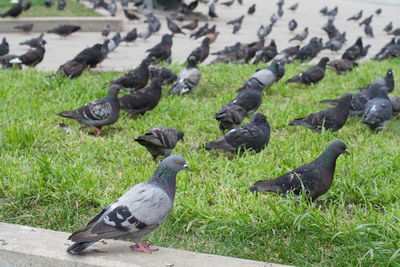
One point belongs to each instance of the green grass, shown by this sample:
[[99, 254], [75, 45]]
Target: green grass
[[38, 9], [59, 181]]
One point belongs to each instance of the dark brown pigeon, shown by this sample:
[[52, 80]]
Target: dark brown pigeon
[[65, 29], [72, 69], [342, 66], [315, 177], [354, 52], [201, 52], [331, 119], [191, 26], [161, 51], [173, 27], [311, 75], [251, 136], [136, 78]]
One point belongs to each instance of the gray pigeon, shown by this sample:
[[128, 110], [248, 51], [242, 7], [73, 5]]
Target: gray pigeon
[[160, 141], [300, 36], [112, 8], [146, 33], [356, 16], [106, 30], [292, 25], [130, 37], [99, 113], [4, 47], [25, 27], [315, 177], [388, 28], [330, 118], [33, 42], [252, 136], [378, 110], [138, 212], [387, 81], [265, 77], [368, 30], [188, 79]]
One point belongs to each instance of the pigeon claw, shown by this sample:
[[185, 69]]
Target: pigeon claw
[[98, 131], [143, 247]]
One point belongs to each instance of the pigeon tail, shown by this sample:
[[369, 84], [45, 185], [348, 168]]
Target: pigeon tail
[[219, 144], [69, 114], [296, 79], [297, 122], [330, 101], [265, 185], [79, 247]]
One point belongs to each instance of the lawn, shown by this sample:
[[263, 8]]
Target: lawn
[[38, 9], [59, 181]]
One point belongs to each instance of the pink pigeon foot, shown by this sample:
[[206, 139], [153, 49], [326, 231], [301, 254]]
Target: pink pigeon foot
[[143, 247]]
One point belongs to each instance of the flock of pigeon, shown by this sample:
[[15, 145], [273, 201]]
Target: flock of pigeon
[[145, 206]]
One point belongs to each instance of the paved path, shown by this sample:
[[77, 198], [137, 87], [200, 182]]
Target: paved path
[[128, 56]]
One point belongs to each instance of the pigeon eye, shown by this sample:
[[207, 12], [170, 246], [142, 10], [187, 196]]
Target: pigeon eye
[[176, 162]]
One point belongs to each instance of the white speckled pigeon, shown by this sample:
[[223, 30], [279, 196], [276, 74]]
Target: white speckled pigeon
[[160, 141], [315, 177], [188, 79], [138, 212], [99, 113]]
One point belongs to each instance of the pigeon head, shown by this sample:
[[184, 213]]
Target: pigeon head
[[323, 61], [345, 101], [192, 61], [168, 169], [205, 41], [113, 91], [359, 41], [389, 73], [98, 46], [180, 135], [157, 81], [306, 29], [258, 117], [338, 147], [167, 39], [272, 43]]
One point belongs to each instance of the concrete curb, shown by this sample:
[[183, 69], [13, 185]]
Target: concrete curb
[[88, 24], [29, 246]]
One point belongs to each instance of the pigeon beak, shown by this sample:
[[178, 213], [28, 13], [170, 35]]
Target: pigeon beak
[[347, 152], [186, 167]]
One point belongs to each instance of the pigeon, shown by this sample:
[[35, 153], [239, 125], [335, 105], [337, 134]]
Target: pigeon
[[249, 98], [188, 79], [166, 74], [48, 3], [5, 62], [229, 117], [130, 37], [135, 79], [33, 42], [199, 31], [138, 102], [294, 7], [378, 11], [211, 11], [292, 25], [138, 212], [378, 110], [332, 12], [160, 141], [173, 27], [354, 52], [61, 4], [331, 119], [4, 47], [161, 51], [368, 30], [396, 32], [124, 3], [311, 75], [65, 29], [14, 11], [130, 16], [138, 3], [387, 81], [91, 56], [300, 36], [291, 51], [265, 77], [356, 16], [280, 12], [191, 26], [33, 56], [388, 28], [267, 53], [309, 51], [391, 49], [106, 30], [251, 9], [72, 69], [251, 136], [154, 23], [25, 27], [336, 43], [359, 100], [366, 21], [342, 66], [236, 20], [273, 18], [112, 8], [315, 177], [263, 32], [280, 3], [324, 10], [227, 3], [201, 52], [99, 113], [146, 33], [26, 5], [236, 27], [395, 100]]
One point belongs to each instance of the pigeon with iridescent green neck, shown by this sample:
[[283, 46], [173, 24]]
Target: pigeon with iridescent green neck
[[315, 177], [138, 212]]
